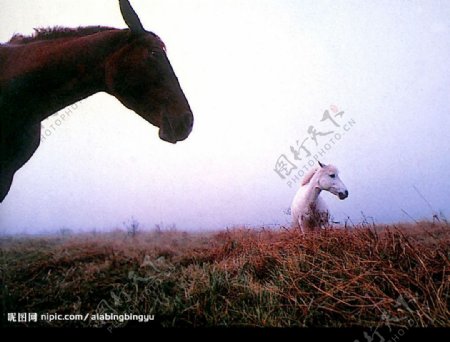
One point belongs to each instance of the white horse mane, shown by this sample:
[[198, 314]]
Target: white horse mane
[[309, 176]]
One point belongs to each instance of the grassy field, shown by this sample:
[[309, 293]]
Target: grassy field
[[366, 276]]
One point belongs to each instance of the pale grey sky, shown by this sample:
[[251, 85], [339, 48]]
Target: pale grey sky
[[257, 74]]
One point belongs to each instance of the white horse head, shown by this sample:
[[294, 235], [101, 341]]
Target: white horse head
[[308, 209], [328, 180]]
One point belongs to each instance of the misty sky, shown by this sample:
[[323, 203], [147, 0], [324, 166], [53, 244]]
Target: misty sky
[[258, 75]]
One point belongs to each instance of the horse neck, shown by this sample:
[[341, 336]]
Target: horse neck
[[312, 190], [43, 77]]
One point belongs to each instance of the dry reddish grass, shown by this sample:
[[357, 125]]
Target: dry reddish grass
[[356, 277], [367, 276]]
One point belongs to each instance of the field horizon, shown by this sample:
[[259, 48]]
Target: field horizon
[[367, 276]]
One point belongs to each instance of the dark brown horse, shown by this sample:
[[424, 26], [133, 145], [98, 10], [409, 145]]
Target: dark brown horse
[[55, 68]]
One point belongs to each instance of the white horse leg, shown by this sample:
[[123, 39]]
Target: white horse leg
[[295, 224], [306, 223], [323, 213]]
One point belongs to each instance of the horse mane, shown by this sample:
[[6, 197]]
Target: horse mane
[[58, 32], [309, 176]]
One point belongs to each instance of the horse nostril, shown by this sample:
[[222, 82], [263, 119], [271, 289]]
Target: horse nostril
[[185, 123], [183, 126], [343, 195], [189, 120]]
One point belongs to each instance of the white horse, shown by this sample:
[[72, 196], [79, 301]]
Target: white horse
[[308, 210]]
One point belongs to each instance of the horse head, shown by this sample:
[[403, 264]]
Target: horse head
[[140, 76], [328, 180]]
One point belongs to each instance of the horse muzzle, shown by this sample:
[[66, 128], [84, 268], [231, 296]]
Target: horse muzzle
[[176, 129], [343, 195]]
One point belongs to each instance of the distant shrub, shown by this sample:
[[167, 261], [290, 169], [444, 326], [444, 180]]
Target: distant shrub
[[132, 227]]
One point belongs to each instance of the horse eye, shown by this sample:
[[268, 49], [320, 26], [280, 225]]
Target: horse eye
[[333, 176], [156, 53]]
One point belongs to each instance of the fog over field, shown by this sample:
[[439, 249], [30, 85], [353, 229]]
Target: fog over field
[[363, 85]]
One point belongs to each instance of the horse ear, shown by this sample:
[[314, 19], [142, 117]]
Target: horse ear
[[130, 17], [321, 165]]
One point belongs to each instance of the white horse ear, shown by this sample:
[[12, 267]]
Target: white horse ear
[[321, 165]]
